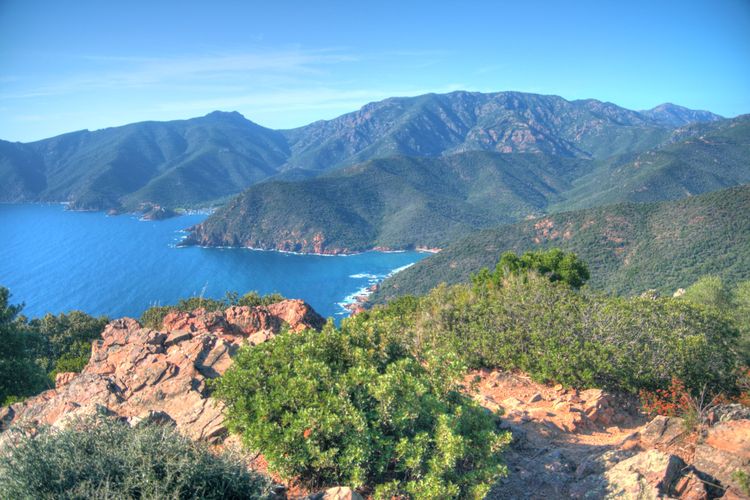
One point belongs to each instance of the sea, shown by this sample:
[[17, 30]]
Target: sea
[[54, 260]]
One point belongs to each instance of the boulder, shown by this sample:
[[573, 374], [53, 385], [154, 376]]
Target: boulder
[[662, 431], [690, 487], [63, 378], [535, 398], [725, 413], [511, 402], [724, 451], [599, 407], [341, 493], [647, 475]]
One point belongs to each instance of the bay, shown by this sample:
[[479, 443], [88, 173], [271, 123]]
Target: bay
[[55, 260]]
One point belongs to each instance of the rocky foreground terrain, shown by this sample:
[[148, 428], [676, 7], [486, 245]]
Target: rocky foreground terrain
[[567, 444]]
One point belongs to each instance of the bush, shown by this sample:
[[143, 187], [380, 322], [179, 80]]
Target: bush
[[582, 339], [65, 340], [20, 375], [344, 406], [732, 302], [33, 352], [554, 264], [103, 458]]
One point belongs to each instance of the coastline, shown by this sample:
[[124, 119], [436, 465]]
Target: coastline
[[355, 303], [187, 242], [112, 212]]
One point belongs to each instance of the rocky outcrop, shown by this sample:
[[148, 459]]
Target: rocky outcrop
[[724, 453], [139, 374], [594, 444], [156, 212]]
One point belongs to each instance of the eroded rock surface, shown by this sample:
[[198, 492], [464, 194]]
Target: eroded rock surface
[[593, 444], [141, 374]]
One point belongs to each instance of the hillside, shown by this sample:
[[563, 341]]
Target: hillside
[[178, 163], [406, 202], [629, 247], [696, 159], [216, 376], [391, 203], [205, 160]]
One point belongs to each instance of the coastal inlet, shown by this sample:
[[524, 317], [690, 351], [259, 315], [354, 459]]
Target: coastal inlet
[[55, 260]]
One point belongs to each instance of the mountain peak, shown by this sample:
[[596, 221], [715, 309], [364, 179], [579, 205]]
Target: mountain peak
[[233, 115], [676, 116]]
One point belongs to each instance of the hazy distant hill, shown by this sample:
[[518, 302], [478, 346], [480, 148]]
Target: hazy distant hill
[[671, 115], [205, 160], [175, 163], [629, 247]]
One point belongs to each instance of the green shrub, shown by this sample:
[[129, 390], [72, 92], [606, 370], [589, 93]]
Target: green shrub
[[553, 263], [103, 458], [732, 302], [153, 317], [74, 360], [582, 339], [20, 374], [344, 406], [65, 340]]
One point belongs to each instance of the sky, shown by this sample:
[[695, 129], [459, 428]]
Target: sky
[[72, 65]]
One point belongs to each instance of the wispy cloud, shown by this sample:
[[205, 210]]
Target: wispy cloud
[[262, 67], [285, 100]]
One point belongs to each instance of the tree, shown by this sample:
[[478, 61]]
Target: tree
[[554, 264], [20, 376], [66, 336]]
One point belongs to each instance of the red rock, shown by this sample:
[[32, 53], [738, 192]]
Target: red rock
[[341, 493], [63, 378], [690, 487], [297, 314], [725, 450], [648, 474], [137, 373]]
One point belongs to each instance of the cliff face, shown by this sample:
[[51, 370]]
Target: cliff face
[[136, 373]]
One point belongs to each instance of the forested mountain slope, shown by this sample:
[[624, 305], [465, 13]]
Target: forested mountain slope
[[629, 247]]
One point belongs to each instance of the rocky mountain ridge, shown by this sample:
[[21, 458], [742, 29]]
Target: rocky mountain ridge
[[201, 161]]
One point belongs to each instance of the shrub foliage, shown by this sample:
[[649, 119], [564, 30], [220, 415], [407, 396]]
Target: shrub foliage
[[548, 329], [346, 406], [33, 352], [103, 458]]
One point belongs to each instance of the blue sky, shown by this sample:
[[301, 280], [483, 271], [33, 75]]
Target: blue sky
[[69, 65]]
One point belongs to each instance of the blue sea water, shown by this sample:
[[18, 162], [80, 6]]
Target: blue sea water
[[55, 260]]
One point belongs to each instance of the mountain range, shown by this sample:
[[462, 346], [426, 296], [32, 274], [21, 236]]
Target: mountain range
[[475, 174], [203, 161], [403, 202]]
